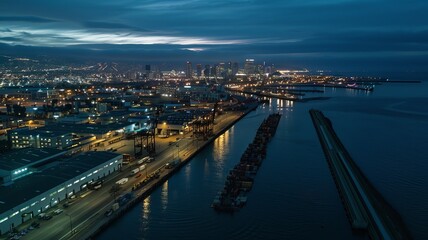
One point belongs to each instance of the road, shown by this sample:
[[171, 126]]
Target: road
[[88, 208]]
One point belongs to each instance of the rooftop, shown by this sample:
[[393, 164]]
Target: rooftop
[[42, 131], [23, 157], [87, 128], [50, 176]]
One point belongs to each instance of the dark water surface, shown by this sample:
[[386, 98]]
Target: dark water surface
[[294, 196]]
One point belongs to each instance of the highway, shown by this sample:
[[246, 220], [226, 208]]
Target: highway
[[366, 208]]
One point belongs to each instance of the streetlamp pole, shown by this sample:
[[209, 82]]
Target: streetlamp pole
[[178, 151]]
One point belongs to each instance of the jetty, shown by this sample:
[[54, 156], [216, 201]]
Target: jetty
[[240, 179], [367, 211]]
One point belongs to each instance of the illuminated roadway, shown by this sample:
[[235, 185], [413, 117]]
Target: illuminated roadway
[[88, 208]]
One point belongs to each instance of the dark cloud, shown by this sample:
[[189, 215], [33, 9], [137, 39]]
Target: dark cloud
[[10, 39], [307, 32], [30, 19], [113, 26]]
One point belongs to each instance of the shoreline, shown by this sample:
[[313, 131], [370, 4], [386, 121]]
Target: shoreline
[[149, 188]]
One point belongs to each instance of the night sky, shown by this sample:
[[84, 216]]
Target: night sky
[[342, 35]]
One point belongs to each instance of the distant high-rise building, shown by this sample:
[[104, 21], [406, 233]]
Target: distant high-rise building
[[199, 70], [270, 69], [249, 66], [207, 71], [147, 72], [221, 69], [235, 68], [214, 71], [189, 70], [260, 69]]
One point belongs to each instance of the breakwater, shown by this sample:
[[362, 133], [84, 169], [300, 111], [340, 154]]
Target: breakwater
[[367, 210], [241, 177]]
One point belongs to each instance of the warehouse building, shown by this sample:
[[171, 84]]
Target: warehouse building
[[49, 181], [22, 162]]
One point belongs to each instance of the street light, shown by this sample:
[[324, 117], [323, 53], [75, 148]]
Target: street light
[[178, 151]]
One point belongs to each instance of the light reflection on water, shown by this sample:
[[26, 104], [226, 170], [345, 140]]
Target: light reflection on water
[[187, 172], [146, 208], [220, 144], [222, 148], [164, 195], [294, 196]]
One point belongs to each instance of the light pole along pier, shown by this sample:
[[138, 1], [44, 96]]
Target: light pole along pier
[[366, 209]]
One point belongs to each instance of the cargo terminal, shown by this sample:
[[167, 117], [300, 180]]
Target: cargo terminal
[[34, 180]]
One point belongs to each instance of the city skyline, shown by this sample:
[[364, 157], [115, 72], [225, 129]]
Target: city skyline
[[224, 119], [334, 35]]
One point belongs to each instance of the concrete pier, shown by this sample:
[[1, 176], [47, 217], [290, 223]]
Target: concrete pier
[[365, 207]]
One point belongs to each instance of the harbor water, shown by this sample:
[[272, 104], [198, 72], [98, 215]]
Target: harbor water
[[294, 195]]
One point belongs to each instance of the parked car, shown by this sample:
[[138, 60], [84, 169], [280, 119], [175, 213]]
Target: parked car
[[35, 225], [108, 212], [47, 217], [58, 211], [67, 204]]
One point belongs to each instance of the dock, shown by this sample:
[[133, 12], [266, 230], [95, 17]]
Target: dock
[[240, 179], [367, 211]]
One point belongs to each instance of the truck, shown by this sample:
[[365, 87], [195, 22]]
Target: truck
[[95, 185], [145, 159], [126, 159], [136, 170], [122, 181], [142, 167]]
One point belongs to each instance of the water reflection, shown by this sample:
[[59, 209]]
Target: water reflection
[[320, 217], [232, 129], [164, 195], [146, 209], [187, 172], [206, 166], [351, 92], [289, 104], [220, 145], [279, 103]]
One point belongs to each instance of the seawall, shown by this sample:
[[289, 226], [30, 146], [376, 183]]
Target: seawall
[[144, 192]]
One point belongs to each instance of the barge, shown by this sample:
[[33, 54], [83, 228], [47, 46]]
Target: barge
[[240, 179]]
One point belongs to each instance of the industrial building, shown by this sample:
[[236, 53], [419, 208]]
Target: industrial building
[[98, 130], [40, 138], [46, 180], [19, 163], [180, 122], [60, 136]]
